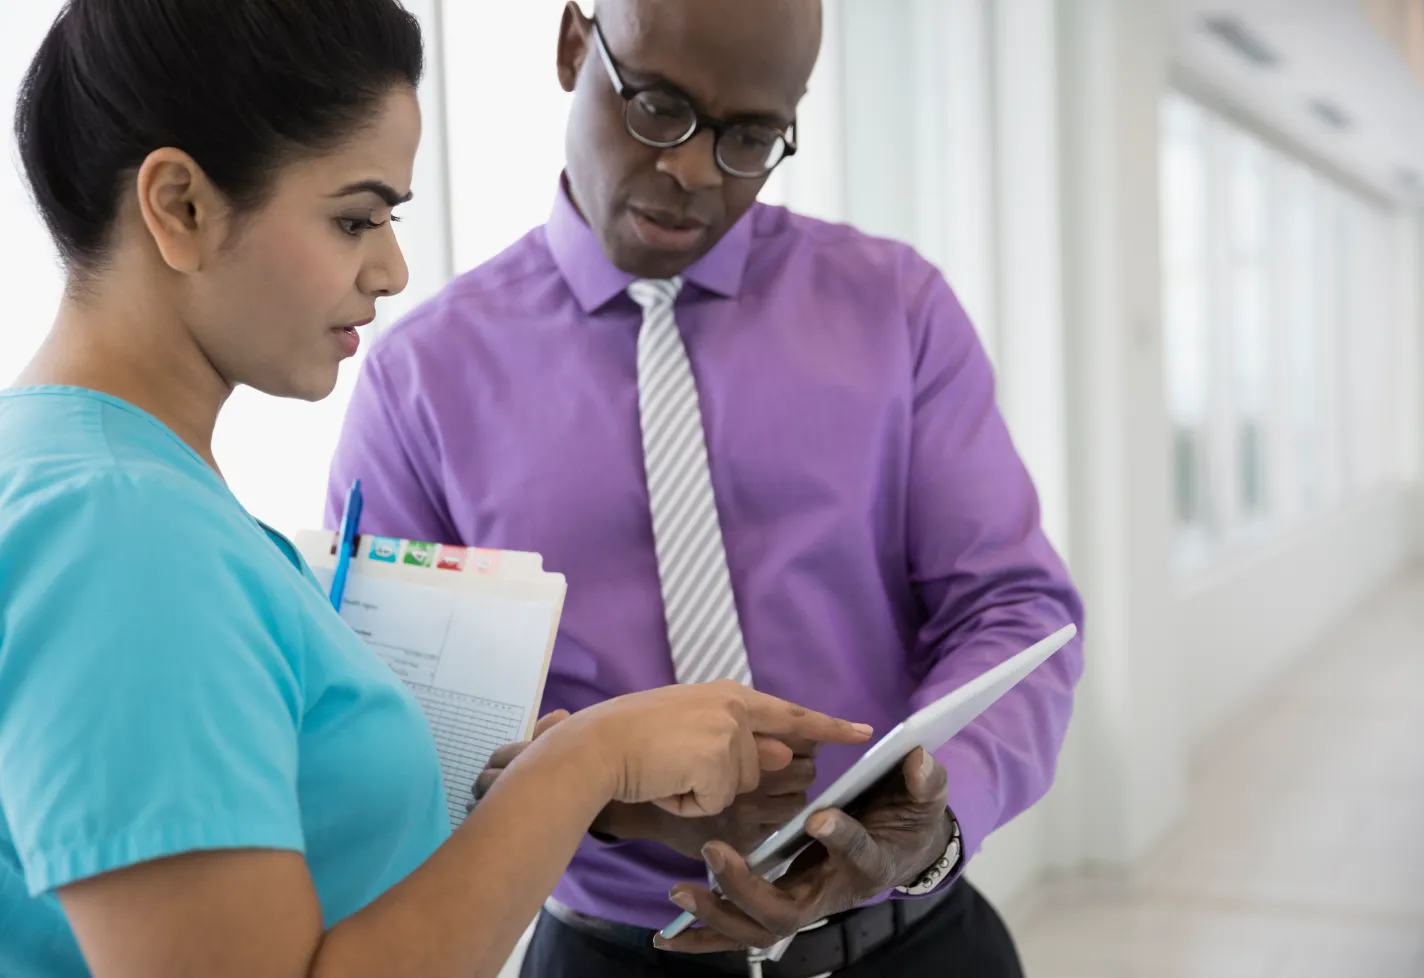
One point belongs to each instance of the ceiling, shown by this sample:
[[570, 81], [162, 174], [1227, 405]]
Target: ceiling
[[1328, 57]]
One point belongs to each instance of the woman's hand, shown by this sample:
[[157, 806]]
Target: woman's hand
[[744, 824], [691, 750]]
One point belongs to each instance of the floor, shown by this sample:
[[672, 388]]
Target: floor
[[1303, 856]]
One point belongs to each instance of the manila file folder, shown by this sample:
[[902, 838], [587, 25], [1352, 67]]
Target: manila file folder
[[470, 632]]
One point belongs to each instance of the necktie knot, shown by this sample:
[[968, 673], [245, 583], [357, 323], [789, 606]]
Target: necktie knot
[[655, 294]]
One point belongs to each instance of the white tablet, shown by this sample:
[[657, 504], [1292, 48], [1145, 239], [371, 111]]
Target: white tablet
[[930, 728]]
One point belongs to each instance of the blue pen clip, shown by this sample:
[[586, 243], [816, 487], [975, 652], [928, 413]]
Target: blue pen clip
[[346, 543]]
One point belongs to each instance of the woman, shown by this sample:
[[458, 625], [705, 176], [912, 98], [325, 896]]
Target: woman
[[202, 770]]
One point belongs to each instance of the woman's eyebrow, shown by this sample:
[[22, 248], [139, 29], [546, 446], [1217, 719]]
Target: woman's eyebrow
[[383, 190]]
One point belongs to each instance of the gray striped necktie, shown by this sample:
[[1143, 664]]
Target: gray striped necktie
[[703, 631]]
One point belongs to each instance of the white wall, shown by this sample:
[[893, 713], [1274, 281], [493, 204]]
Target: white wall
[[25, 250], [1244, 624], [1124, 768], [813, 181], [1412, 283], [917, 95], [505, 113], [1169, 656], [425, 230]]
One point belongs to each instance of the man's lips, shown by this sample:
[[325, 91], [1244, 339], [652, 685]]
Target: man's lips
[[670, 219], [665, 231]]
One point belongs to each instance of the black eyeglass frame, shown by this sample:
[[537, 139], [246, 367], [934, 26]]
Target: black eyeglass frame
[[718, 127]]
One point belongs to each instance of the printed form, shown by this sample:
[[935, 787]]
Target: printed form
[[475, 662]]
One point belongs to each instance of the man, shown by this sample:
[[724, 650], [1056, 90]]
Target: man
[[762, 448]]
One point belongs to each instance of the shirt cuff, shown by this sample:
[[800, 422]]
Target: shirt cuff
[[973, 798]]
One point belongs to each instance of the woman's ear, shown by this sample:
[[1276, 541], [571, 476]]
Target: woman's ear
[[184, 213]]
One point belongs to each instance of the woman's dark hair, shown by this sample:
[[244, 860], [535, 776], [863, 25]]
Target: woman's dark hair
[[242, 86]]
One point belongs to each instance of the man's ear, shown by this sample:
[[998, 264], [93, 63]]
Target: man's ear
[[183, 211], [575, 30]]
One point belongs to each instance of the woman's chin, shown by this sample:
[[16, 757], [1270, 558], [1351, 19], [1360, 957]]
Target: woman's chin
[[320, 388], [312, 386]]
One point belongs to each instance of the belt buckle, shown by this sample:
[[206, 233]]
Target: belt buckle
[[754, 969], [756, 957]]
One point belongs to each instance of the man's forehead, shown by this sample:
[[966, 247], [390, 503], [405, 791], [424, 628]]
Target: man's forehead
[[789, 22], [766, 43]]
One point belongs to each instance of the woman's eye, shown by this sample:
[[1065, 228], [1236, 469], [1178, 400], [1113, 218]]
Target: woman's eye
[[356, 226]]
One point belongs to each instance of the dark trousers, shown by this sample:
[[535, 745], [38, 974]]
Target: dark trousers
[[962, 938]]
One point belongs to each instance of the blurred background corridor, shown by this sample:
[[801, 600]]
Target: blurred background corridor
[[1298, 853], [1190, 234]]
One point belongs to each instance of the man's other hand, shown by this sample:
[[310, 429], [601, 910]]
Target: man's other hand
[[902, 830]]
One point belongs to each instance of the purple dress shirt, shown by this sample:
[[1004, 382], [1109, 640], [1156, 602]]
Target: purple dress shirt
[[883, 535]]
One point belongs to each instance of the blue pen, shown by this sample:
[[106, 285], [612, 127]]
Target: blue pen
[[346, 543]]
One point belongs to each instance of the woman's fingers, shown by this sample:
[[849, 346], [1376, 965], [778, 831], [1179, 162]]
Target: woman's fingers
[[778, 718], [748, 750], [773, 755]]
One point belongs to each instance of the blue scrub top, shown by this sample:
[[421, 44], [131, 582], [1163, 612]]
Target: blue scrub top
[[172, 679]]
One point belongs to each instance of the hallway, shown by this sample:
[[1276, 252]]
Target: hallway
[[1302, 855]]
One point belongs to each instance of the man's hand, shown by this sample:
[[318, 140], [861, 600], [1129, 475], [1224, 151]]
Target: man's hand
[[505, 756], [902, 830], [750, 819]]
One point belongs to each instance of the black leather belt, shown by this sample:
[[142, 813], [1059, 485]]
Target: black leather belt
[[843, 940]]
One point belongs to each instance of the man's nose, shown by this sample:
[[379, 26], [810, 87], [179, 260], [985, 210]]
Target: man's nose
[[693, 164]]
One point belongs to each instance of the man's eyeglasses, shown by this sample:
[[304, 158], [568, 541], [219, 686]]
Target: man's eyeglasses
[[656, 117]]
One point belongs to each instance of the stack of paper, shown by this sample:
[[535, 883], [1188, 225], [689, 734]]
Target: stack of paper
[[470, 632]]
